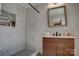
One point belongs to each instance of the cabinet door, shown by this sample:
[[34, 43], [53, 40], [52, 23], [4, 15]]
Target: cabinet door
[[49, 47], [70, 47], [65, 47], [49, 52], [61, 49]]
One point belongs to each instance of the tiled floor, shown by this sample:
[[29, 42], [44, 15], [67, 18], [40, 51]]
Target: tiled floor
[[24, 52]]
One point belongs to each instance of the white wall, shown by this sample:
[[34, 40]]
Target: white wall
[[12, 39], [37, 25]]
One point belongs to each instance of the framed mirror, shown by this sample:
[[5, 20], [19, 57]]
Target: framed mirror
[[57, 16]]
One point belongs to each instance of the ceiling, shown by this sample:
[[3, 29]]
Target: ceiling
[[26, 5]]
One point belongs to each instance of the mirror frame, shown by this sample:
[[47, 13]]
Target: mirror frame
[[65, 14]]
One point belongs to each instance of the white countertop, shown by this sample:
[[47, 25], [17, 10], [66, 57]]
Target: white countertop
[[59, 36]]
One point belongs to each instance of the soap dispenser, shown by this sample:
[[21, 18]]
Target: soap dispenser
[[56, 33], [59, 34]]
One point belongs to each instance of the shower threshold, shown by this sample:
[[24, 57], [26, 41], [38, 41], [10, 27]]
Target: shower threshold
[[26, 52]]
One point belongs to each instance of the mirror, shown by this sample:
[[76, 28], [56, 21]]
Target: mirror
[[57, 16]]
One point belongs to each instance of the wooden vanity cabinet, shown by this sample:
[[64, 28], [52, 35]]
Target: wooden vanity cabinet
[[58, 46]]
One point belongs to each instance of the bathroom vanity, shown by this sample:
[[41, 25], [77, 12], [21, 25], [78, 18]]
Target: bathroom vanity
[[58, 46]]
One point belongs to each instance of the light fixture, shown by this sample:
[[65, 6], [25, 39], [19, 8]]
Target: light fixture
[[54, 3], [50, 5]]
